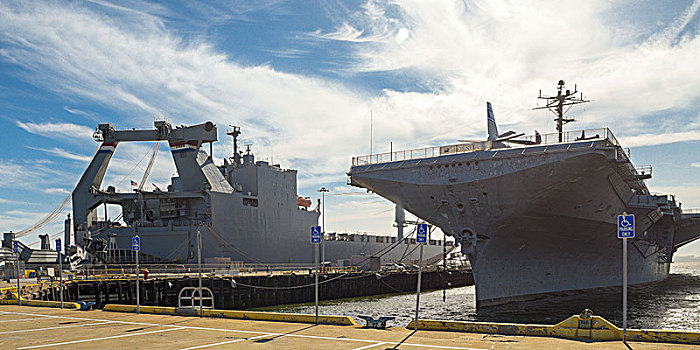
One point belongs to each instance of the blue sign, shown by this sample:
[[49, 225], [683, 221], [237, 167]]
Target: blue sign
[[315, 234], [58, 245], [422, 233], [625, 226], [136, 243], [15, 246]]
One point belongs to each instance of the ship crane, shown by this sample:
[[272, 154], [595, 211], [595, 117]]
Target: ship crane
[[185, 144]]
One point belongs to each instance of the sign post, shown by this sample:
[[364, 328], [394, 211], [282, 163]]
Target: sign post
[[15, 248], [422, 239], [136, 247], [625, 230], [316, 240], [60, 268], [199, 268]]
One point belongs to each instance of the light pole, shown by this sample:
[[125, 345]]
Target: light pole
[[323, 191]]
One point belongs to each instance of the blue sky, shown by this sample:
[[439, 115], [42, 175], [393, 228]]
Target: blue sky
[[301, 77]]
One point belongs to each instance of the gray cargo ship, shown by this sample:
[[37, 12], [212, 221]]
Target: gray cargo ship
[[537, 214], [245, 210]]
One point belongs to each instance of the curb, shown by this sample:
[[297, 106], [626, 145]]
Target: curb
[[575, 327], [243, 315]]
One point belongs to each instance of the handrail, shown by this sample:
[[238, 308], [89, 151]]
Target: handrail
[[468, 147], [192, 294]]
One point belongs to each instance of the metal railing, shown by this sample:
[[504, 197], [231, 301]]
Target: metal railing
[[435, 151]]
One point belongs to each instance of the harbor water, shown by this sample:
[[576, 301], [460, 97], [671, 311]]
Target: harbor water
[[671, 304]]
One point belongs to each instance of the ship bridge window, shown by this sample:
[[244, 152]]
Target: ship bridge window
[[251, 202]]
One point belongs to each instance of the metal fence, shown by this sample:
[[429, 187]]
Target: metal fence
[[467, 147]]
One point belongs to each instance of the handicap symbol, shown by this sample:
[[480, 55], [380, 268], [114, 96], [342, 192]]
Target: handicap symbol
[[625, 223], [421, 229]]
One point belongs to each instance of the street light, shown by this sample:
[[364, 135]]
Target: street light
[[323, 191]]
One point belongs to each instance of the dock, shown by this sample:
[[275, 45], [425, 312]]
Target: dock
[[41, 327]]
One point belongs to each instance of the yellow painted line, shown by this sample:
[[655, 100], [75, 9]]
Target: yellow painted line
[[42, 303], [600, 330], [243, 315]]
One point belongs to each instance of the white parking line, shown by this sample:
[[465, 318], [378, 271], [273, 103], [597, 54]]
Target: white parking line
[[228, 342], [374, 342], [57, 327], [103, 338], [370, 346], [20, 319]]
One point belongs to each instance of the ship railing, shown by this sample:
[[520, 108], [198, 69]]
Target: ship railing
[[643, 170], [691, 211], [468, 147], [232, 268]]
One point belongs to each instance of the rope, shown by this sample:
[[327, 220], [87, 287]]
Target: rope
[[48, 218], [226, 243], [295, 287]]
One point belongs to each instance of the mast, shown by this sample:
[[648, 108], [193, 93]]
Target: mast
[[557, 103], [234, 132]]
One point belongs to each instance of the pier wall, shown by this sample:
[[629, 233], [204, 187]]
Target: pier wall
[[255, 291]]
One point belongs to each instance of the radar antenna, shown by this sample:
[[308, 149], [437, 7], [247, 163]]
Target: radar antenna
[[556, 105]]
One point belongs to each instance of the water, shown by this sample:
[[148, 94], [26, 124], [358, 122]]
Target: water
[[671, 304]]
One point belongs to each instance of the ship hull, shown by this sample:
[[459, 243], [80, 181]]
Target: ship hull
[[531, 223]]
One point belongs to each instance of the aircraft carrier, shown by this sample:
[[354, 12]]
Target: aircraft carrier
[[244, 210], [537, 214]]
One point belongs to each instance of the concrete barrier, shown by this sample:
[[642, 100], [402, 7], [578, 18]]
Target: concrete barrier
[[575, 327], [244, 315], [42, 303]]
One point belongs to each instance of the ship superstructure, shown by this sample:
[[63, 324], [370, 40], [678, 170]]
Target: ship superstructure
[[536, 214], [244, 210]]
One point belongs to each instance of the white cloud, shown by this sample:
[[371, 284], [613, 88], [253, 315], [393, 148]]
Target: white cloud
[[56, 191], [659, 138], [695, 165], [64, 130], [59, 152], [493, 51]]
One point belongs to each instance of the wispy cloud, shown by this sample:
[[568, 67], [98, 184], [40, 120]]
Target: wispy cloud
[[62, 153], [695, 165], [659, 138], [55, 190], [69, 131]]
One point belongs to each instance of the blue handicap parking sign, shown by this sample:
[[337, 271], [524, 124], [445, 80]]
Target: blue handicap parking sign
[[136, 243], [315, 234], [58, 245], [625, 226], [15, 246], [422, 233]]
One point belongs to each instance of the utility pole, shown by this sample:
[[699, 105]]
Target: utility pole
[[556, 104], [323, 191]]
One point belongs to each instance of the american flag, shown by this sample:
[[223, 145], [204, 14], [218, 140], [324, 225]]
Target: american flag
[[133, 183]]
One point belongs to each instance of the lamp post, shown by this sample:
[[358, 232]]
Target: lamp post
[[323, 191]]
